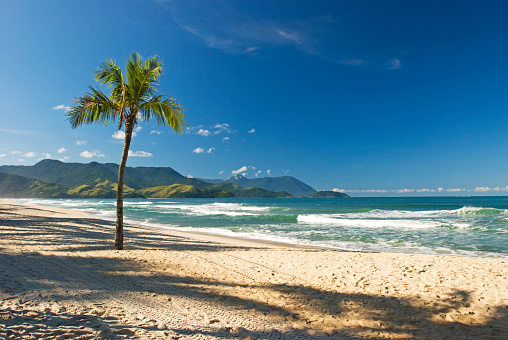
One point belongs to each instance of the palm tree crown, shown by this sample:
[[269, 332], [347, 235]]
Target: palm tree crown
[[128, 100]]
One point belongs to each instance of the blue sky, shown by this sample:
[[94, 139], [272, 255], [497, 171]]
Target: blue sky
[[371, 97]]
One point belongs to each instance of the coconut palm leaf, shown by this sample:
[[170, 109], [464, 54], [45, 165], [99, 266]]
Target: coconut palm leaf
[[93, 107]]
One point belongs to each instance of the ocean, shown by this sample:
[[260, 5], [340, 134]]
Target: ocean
[[464, 226]]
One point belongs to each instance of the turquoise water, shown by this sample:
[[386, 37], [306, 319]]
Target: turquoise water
[[471, 226]]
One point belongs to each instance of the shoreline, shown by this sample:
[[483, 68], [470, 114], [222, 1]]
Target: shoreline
[[195, 234], [59, 275], [277, 240]]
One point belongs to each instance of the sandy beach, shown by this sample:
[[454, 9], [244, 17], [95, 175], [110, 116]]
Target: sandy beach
[[60, 278]]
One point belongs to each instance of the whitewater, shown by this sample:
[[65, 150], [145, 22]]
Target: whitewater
[[464, 226]]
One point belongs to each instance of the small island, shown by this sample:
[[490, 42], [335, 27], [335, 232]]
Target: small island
[[329, 194]]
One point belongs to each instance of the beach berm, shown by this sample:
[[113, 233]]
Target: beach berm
[[59, 278]]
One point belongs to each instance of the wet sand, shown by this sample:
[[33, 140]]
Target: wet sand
[[60, 278]]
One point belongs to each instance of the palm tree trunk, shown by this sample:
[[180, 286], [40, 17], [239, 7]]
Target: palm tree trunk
[[129, 125]]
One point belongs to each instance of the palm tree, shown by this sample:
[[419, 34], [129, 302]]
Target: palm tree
[[129, 101]]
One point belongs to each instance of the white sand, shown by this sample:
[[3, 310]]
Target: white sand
[[59, 278]]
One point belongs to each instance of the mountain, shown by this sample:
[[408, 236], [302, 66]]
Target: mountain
[[329, 194], [183, 191], [13, 186], [72, 175], [286, 183], [211, 181], [100, 189], [99, 180], [238, 191]]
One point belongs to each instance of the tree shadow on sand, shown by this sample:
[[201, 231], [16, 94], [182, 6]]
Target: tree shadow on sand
[[88, 234], [308, 312], [295, 311]]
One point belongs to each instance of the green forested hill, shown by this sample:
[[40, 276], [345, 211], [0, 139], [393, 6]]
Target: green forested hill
[[329, 194], [13, 186], [249, 192], [183, 191], [97, 180], [72, 175], [286, 183], [100, 189]]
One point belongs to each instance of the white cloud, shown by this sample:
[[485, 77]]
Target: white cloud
[[221, 128], [90, 154], [16, 152], [293, 37], [269, 172], [201, 150], [258, 173], [3, 155], [81, 142], [455, 189], [120, 135], [30, 154], [241, 170], [155, 131], [404, 191], [138, 128], [21, 160], [338, 190], [190, 176], [62, 107], [485, 189], [203, 132], [286, 171], [46, 155], [64, 158], [381, 191], [212, 130], [394, 64], [61, 150], [139, 154], [86, 154], [240, 34], [251, 130], [226, 26], [226, 139], [221, 172]]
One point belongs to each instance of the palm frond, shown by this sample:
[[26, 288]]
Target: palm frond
[[94, 107], [108, 73], [133, 68], [165, 112], [142, 77], [132, 92]]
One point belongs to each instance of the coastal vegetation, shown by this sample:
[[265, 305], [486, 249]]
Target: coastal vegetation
[[132, 97], [328, 194], [98, 180], [76, 182], [14, 186]]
